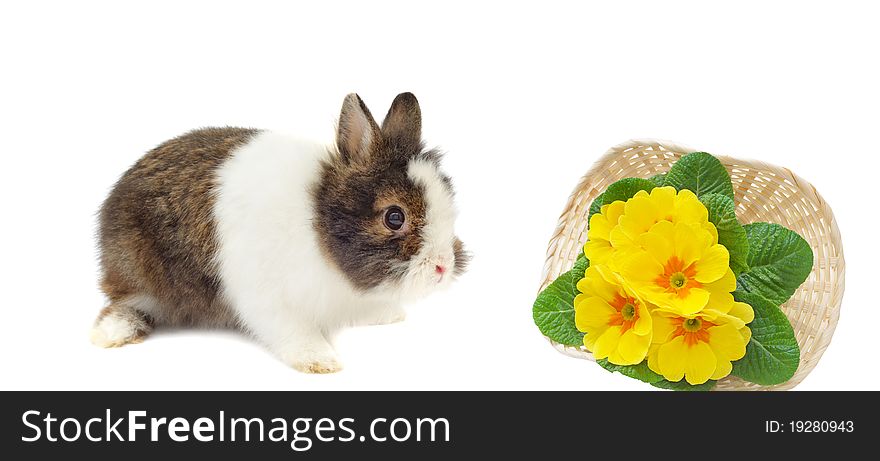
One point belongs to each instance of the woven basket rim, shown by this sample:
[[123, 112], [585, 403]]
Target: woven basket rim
[[617, 151]]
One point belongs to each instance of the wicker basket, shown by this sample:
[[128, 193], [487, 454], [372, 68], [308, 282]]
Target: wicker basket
[[763, 193]]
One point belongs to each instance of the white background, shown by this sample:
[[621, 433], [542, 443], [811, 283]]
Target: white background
[[523, 97]]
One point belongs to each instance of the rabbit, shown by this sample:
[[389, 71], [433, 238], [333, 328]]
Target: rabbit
[[285, 239]]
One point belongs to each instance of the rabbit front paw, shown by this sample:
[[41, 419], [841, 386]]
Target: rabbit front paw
[[317, 364]]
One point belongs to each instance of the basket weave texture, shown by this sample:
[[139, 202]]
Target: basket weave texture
[[763, 192]]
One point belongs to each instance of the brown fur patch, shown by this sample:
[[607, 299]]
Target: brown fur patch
[[157, 230], [367, 174], [350, 203]]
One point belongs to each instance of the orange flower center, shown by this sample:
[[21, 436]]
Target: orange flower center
[[627, 312], [693, 330], [678, 279]]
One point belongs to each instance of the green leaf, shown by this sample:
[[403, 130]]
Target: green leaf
[[553, 311], [772, 355], [659, 180], [623, 189], [684, 385], [701, 173], [639, 371], [779, 261], [731, 234], [626, 188]]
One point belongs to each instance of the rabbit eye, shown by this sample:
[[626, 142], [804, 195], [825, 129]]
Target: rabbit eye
[[394, 218]]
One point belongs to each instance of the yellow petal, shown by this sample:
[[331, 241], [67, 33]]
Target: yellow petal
[[659, 297], [652, 358], [713, 232], [643, 324], [720, 298], [746, 333], [610, 276], [590, 339], [689, 209], [720, 317], [688, 246], [592, 313], [705, 235], [598, 251], [713, 264], [606, 343], [742, 311], [583, 285], [594, 284], [664, 197], [662, 326], [640, 214], [615, 358], [615, 211], [633, 348], [727, 282], [719, 301], [664, 229], [686, 194], [620, 241], [599, 227], [722, 368], [672, 358], [700, 363], [656, 241], [727, 342], [640, 268], [694, 302]]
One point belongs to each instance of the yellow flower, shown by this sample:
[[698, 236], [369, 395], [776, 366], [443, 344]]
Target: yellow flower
[[701, 347], [618, 225], [616, 322], [680, 267], [645, 210], [598, 247]]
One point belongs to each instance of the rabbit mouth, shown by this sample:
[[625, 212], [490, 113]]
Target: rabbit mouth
[[422, 276], [440, 272]]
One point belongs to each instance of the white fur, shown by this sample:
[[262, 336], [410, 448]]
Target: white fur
[[274, 275], [116, 329], [437, 235], [112, 331]]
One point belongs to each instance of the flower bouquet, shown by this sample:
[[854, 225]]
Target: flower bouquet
[[671, 289]]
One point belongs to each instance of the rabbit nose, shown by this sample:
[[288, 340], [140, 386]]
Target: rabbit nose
[[439, 269]]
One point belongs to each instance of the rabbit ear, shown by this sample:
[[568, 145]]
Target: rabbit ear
[[357, 130], [404, 120]]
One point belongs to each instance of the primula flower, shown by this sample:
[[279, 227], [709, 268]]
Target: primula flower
[[618, 225], [701, 347], [645, 210], [616, 322], [680, 267]]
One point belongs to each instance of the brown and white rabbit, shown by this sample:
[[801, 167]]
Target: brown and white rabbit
[[286, 239]]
